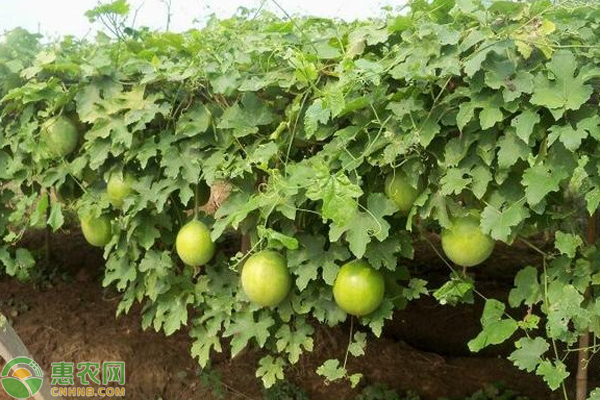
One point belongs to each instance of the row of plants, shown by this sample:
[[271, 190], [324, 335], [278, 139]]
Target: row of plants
[[285, 390], [341, 142]]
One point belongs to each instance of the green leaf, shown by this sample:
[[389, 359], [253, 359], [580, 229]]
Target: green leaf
[[563, 307], [540, 180], [496, 329], [366, 225], [20, 265], [562, 88], [370, 70], [385, 254], [226, 83], [263, 153], [466, 112], [429, 129], [245, 327], [194, 121], [527, 288], [511, 149], [145, 230], [331, 370], [108, 10], [553, 373], [503, 75], [119, 270], [203, 343], [358, 345], [171, 311], [38, 217], [473, 63], [156, 268], [524, 124], [416, 288], [456, 149], [323, 307], [489, 116], [567, 243], [594, 395], [338, 195], [313, 256], [481, 179], [377, 318], [529, 353], [234, 211], [245, 117], [277, 239], [24, 261], [334, 99], [455, 291], [567, 135], [270, 370], [592, 199], [315, 114], [355, 379], [292, 341], [455, 181], [499, 223], [530, 322], [56, 218]]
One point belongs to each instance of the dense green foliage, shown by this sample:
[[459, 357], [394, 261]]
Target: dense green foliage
[[487, 108], [490, 392], [285, 390]]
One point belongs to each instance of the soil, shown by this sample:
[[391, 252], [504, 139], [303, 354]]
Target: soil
[[422, 350]]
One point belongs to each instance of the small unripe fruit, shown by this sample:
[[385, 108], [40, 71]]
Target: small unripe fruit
[[118, 188], [465, 244], [97, 231], [194, 244], [266, 279], [399, 190], [358, 288], [60, 135]]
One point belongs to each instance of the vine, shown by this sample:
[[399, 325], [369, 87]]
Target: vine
[[488, 109]]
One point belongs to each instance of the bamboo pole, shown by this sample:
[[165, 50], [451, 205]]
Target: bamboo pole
[[11, 347], [581, 389]]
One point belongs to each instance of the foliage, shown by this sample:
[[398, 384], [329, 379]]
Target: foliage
[[210, 379], [490, 392], [285, 390], [381, 392], [490, 108]]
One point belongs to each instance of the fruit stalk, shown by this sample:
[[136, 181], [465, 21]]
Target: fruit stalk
[[47, 230], [349, 341], [581, 389], [196, 201]]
